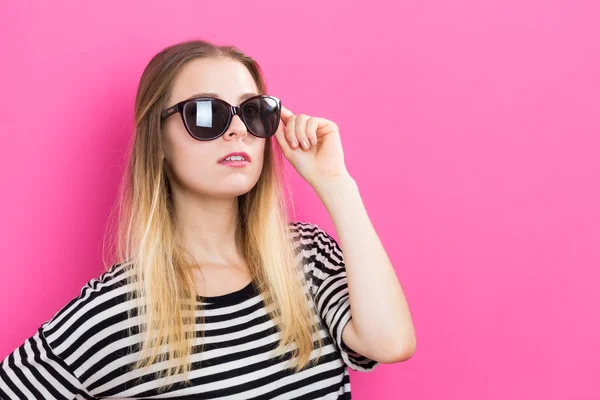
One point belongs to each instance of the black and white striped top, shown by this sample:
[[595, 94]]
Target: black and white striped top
[[83, 351]]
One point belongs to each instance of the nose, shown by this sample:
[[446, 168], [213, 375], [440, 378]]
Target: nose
[[237, 128]]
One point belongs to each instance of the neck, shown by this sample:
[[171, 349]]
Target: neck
[[207, 226]]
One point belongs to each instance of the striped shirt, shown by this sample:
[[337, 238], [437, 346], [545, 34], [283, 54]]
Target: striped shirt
[[83, 352]]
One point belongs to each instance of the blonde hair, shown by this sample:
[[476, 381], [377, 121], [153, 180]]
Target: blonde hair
[[162, 269]]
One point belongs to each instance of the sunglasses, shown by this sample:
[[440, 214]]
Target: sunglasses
[[207, 118]]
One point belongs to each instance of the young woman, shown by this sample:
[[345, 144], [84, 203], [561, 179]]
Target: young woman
[[216, 292]]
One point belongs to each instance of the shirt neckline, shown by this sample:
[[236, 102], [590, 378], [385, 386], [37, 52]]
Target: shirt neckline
[[238, 296]]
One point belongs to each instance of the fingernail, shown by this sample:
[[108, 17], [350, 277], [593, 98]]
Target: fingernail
[[304, 144], [313, 141], [294, 143]]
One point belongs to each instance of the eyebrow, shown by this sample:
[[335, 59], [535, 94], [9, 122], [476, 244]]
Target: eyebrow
[[210, 94]]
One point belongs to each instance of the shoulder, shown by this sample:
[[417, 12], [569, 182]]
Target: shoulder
[[312, 236], [306, 230], [96, 302], [301, 226], [319, 252]]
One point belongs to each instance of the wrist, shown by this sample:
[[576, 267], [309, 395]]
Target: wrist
[[335, 186]]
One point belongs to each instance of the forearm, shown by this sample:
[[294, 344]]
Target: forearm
[[380, 313]]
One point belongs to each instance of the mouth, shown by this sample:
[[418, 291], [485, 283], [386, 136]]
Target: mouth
[[236, 159]]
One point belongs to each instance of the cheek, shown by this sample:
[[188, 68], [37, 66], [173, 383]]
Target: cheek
[[179, 145], [186, 156], [173, 137], [260, 152], [258, 159]]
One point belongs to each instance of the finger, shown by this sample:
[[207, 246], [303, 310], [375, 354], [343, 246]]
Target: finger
[[281, 139], [290, 129], [325, 126], [301, 120], [285, 114], [288, 119], [311, 130]]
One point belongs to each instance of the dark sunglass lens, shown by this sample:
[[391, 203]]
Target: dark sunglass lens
[[262, 116], [205, 118]]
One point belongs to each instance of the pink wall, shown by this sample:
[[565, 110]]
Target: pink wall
[[472, 128]]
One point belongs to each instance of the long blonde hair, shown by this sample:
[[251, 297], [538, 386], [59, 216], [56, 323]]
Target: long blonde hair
[[162, 269]]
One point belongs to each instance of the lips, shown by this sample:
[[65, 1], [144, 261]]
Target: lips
[[237, 153]]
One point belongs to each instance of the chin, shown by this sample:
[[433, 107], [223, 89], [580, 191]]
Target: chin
[[236, 190]]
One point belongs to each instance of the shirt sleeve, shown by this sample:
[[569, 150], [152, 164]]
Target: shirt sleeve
[[329, 287], [34, 371]]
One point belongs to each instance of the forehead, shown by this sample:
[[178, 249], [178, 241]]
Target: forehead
[[228, 78]]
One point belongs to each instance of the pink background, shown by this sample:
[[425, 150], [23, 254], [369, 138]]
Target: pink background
[[472, 128]]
